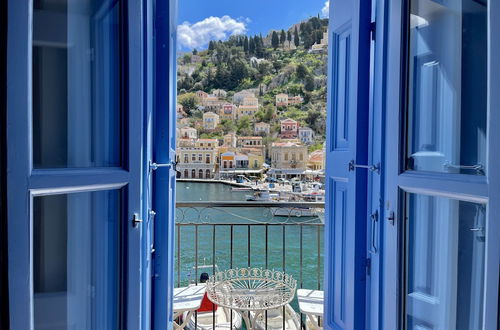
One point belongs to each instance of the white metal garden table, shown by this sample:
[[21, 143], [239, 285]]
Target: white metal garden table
[[187, 299], [251, 290], [311, 303]]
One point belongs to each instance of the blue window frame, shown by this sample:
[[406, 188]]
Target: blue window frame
[[76, 163], [367, 243], [428, 192]]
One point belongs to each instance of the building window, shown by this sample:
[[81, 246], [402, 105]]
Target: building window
[[200, 157], [200, 174], [207, 159], [193, 173], [207, 174], [193, 157], [186, 174], [186, 158]]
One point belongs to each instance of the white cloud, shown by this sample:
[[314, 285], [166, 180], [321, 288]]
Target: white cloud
[[211, 28], [326, 9]]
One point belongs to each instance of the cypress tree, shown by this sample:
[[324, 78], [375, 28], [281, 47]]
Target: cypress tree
[[282, 37], [251, 46], [296, 39], [289, 38], [245, 44], [275, 40]]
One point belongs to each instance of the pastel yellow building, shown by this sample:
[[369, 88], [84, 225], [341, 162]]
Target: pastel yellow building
[[246, 110], [198, 160], [282, 100], [210, 120]]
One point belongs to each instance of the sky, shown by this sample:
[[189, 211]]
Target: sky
[[200, 21]]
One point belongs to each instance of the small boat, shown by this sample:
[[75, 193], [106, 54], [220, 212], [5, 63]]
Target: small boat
[[275, 319], [262, 196]]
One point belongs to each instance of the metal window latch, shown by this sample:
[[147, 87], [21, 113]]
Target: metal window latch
[[374, 218], [135, 220], [374, 168], [391, 217], [154, 166]]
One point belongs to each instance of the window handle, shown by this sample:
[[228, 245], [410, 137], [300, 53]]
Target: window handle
[[135, 220], [154, 166], [373, 245], [374, 168]]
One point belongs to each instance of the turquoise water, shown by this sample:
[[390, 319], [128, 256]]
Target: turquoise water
[[282, 254]]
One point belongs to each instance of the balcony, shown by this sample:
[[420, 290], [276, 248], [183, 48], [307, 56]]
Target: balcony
[[216, 236]]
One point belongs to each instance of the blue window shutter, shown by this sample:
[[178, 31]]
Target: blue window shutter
[[347, 132], [164, 152]]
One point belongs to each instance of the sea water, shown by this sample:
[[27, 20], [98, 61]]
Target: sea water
[[283, 244]]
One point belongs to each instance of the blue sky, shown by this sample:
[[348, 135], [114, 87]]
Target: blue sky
[[204, 20]]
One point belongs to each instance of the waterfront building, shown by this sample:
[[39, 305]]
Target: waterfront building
[[289, 129], [306, 135], [262, 128], [282, 100], [210, 120], [197, 160], [288, 159], [227, 111]]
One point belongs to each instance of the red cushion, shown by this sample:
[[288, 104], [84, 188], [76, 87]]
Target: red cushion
[[207, 305]]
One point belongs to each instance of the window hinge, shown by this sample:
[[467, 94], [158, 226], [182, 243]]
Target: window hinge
[[373, 30]]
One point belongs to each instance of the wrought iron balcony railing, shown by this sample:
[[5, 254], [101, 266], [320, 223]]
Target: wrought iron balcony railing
[[213, 236]]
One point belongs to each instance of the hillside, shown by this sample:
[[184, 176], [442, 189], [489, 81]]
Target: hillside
[[280, 62]]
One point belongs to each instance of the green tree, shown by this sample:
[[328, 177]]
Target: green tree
[[302, 71], [309, 83], [211, 45], [275, 41], [244, 126], [228, 126], [195, 52], [269, 113], [189, 101], [289, 37], [245, 44], [282, 37], [251, 46], [186, 59], [296, 39]]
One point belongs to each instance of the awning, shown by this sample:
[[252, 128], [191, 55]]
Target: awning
[[291, 171], [242, 171]]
